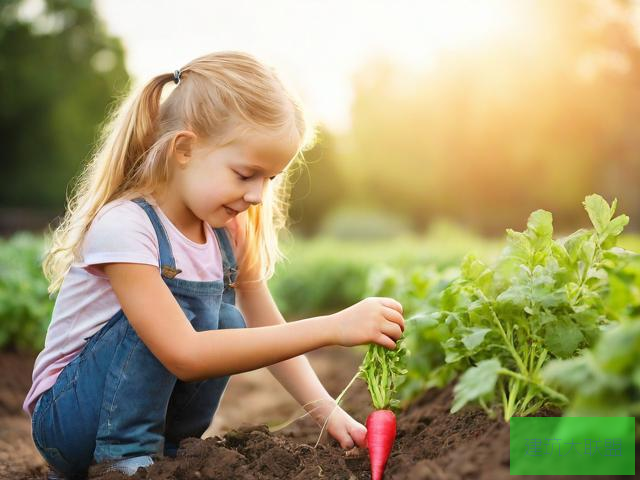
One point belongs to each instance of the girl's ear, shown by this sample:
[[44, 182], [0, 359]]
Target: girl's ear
[[182, 147]]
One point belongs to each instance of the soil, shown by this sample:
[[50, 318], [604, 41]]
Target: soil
[[431, 443]]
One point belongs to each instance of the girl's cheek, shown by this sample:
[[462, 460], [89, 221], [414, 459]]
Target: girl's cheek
[[199, 194]]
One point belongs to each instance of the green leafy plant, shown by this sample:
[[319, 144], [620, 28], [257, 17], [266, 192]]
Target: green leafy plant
[[605, 380], [25, 306], [498, 324]]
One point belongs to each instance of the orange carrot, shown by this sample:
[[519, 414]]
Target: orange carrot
[[381, 433]]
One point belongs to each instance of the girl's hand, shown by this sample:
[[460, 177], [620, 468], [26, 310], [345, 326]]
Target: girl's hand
[[372, 320], [347, 431], [341, 426]]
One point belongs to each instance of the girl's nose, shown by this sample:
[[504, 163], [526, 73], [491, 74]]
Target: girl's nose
[[254, 194]]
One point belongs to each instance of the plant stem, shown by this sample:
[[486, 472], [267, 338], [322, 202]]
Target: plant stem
[[512, 350], [583, 278], [534, 408], [549, 391], [513, 393], [541, 359]]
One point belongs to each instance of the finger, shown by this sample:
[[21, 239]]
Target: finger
[[358, 434], [392, 330], [386, 342], [394, 316], [391, 303], [345, 441]]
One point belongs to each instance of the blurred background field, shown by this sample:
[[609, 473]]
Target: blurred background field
[[440, 124]]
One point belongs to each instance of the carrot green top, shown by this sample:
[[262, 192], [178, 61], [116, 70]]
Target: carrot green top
[[383, 370]]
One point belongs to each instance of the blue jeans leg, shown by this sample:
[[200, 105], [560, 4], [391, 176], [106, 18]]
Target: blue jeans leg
[[193, 404], [191, 409], [136, 396], [108, 403], [63, 430]]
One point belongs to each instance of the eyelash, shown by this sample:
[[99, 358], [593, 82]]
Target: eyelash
[[243, 178]]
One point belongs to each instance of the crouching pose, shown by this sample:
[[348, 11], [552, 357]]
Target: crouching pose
[[160, 263]]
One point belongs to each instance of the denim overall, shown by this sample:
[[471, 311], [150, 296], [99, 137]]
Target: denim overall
[[115, 399]]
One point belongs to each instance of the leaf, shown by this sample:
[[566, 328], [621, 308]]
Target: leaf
[[424, 319], [540, 228], [603, 381], [587, 251], [619, 349], [453, 351], [571, 375], [599, 211], [516, 295], [620, 256], [475, 338], [560, 253], [451, 318], [518, 246], [616, 226], [478, 382], [474, 270], [573, 243], [562, 337]]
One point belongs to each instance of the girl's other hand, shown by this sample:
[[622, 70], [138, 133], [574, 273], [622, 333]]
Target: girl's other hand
[[347, 431], [372, 320]]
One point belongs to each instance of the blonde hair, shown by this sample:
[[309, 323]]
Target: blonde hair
[[218, 95]]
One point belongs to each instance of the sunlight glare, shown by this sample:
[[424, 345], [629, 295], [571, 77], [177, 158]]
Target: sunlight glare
[[469, 24]]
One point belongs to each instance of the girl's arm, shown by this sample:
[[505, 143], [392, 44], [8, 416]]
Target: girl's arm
[[296, 374], [157, 318]]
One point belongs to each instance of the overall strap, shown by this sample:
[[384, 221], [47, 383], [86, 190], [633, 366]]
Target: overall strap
[[229, 264], [167, 262]]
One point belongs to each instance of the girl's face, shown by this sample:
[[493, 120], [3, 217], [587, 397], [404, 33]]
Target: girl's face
[[218, 183]]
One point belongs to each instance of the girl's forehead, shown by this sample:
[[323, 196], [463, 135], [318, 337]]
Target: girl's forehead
[[268, 150]]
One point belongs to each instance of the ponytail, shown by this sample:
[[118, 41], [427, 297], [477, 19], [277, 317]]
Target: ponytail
[[126, 138]]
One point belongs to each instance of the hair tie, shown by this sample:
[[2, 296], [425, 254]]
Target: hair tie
[[177, 76]]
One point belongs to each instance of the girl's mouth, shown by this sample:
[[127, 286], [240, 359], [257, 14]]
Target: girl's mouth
[[231, 211]]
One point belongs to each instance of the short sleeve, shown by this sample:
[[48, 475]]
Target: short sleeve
[[120, 232]]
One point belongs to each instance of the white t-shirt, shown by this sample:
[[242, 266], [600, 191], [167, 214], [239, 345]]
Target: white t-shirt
[[120, 232]]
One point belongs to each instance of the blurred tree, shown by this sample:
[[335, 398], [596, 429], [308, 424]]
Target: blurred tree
[[59, 69], [485, 136], [318, 185]]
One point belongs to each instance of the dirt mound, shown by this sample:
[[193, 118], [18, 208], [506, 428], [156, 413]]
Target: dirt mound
[[431, 444], [252, 454]]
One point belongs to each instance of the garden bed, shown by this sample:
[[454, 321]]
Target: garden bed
[[431, 442]]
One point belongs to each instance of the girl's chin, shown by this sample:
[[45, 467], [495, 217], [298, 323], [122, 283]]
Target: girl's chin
[[220, 220]]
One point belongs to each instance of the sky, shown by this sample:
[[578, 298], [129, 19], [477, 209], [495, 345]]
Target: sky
[[316, 45]]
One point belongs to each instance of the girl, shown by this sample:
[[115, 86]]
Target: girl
[[145, 329]]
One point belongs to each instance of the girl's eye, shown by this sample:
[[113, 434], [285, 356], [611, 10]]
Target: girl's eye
[[242, 177]]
